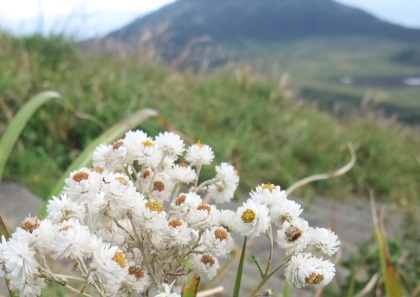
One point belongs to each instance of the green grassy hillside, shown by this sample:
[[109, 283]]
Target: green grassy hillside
[[317, 42], [268, 134]]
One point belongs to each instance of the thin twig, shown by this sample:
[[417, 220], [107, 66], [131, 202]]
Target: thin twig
[[2, 223], [322, 176], [369, 286], [210, 292]]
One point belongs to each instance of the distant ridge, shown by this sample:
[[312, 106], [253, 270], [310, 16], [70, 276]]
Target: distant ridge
[[231, 22]]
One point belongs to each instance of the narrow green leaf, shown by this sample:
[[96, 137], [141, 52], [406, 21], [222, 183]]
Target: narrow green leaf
[[254, 258], [240, 270], [192, 289], [14, 129], [287, 289], [392, 284], [110, 135], [352, 287]]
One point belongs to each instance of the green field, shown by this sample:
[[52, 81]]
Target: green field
[[315, 66]]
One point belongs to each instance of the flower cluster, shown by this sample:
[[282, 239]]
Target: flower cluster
[[139, 221]]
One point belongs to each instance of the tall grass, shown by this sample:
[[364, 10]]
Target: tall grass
[[268, 134]]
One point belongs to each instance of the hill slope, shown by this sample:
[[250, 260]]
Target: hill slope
[[318, 42], [229, 22]]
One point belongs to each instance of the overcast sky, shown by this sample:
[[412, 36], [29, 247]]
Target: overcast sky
[[98, 17]]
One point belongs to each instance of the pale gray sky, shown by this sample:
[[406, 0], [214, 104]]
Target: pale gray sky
[[98, 17]]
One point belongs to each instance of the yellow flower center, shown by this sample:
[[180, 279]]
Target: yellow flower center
[[207, 259], [175, 223], [146, 173], [65, 228], [158, 186], [314, 279], [293, 233], [99, 170], [249, 216], [269, 187], [155, 206], [148, 143], [204, 207], [136, 271], [123, 181], [120, 259], [118, 144], [78, 177], [180, 200], [201, 145], [221, 234], [31, 224]]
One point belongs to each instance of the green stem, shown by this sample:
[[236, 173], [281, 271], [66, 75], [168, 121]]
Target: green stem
[[240, 270], [270, 257], [268, 276]]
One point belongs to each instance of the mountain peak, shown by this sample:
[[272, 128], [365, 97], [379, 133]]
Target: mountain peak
[[230, 22]]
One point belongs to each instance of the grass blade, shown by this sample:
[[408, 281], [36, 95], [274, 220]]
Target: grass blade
[[240, 270], [192, 289], [392, 285], [110, 135], [16, 126], [254, 258]]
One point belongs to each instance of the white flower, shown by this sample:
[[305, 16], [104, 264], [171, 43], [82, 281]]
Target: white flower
[[204, 266], [171, 144], [304, 269], [120, 192], [284, 210], [177, 233], [149, 215], [227, 219], [182, 174], [217, 241], [32, 287], [118, 156], [111, 266], [19, 260], [82, 186], [199, 154], [294, 236], [136, 280], [100, 156], [268, 194], [181, 206], [324, 241], [161, 188], [71, 240], [165, 291], [37, 233], [203, 216], [112, 234], [63, 208], [142, 148], [134, 142], [227, 179], [252, 218]]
